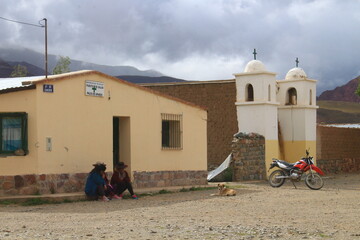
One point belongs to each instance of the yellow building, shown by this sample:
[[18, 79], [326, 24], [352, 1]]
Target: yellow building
[[54, 129]]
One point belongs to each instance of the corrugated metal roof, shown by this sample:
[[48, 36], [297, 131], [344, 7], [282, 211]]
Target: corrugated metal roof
[[7, 83], [344, 125]]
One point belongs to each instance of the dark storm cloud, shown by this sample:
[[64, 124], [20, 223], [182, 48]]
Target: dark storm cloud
[[206, 39]]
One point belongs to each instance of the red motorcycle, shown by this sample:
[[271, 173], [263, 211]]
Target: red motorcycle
[[296, 172]]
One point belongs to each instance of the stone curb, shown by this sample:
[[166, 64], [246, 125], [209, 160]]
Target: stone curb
[[78, 196]]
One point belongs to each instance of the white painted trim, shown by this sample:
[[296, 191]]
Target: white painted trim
[[256, 103], [298, 107], [297, 80], [254, 73]]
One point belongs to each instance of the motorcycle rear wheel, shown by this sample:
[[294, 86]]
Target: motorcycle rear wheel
[[276, 182], [314, 181]]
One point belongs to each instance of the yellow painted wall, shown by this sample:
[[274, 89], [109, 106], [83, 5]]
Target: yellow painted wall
[[271, 151], [23, 101], [81, 127], [295, 150]]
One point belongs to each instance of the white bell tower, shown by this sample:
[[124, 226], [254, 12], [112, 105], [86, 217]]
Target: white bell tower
[[297, 114], [257, 105]]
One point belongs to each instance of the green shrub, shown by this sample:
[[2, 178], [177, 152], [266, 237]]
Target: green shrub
[[35, 201], [163, 191]]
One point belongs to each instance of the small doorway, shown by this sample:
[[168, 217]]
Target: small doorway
[[121, 141]]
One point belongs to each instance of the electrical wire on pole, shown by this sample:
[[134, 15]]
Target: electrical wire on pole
[[35, 25]]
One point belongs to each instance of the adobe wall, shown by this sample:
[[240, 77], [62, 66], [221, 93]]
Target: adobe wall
[[338, 149], [219, 98]]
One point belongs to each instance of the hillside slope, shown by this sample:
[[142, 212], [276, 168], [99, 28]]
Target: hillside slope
[[32, 70], [338, 112], [5, 69], [344, 93]]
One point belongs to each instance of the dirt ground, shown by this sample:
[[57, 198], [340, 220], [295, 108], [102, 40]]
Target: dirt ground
[[258, 211]]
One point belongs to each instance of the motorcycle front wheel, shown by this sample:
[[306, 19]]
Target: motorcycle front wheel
[[314, 181], [276, 182]]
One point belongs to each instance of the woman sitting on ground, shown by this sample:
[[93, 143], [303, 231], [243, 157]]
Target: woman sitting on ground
[[109, 189], [95, 184], [120, 180]]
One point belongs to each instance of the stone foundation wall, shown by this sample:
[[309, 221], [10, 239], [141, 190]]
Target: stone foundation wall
[[42, 184], [169, 178], [66, 183], [248, 154], [343, 165]]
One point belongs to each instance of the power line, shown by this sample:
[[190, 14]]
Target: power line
[[25, 23], [34, 25]]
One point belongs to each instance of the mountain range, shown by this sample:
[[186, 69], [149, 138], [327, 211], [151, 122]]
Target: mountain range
[[37, 59], [34, 61]]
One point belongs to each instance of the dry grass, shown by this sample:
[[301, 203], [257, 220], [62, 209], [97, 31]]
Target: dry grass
[[347, 107], [338, 112]]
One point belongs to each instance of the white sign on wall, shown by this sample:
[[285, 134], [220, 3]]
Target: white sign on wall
[[93, 88]]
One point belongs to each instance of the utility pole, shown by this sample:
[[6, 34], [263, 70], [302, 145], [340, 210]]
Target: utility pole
[[35, 25], [46, 55]]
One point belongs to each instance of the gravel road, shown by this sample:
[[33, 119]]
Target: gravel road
[[258, 211]]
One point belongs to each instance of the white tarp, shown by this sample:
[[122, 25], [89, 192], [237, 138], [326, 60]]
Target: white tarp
[[220, 169]]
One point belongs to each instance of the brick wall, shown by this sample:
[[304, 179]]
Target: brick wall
[[338, 149], [219, 98], [248, 154]]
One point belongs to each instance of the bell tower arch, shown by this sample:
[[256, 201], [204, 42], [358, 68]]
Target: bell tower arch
[[297, 114], [256, 105]]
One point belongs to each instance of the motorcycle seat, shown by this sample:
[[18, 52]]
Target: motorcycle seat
[[289, 165]]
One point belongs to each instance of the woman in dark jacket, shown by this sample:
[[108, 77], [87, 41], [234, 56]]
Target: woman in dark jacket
[[95, 184], [121, 181]]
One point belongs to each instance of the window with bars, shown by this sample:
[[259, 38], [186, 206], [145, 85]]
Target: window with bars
[[171, 131], [13, 133]]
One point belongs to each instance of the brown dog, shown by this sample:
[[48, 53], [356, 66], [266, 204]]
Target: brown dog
[[223, 191]]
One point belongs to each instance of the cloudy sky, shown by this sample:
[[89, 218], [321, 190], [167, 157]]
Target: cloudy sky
[[196, 39]]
